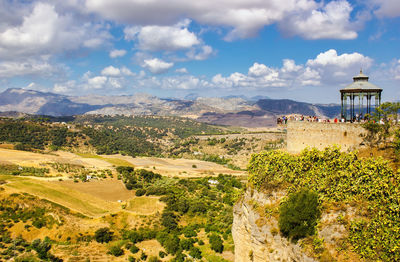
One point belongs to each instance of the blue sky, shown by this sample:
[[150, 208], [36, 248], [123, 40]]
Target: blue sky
[[298, 49]]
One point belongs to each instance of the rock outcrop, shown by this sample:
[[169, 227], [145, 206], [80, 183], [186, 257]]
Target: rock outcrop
[[255, 230]]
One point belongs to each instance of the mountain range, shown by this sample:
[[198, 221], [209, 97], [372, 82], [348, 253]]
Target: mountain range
[[230, 110]]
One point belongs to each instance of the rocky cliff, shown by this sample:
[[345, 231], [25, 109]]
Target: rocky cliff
[[255, 230]]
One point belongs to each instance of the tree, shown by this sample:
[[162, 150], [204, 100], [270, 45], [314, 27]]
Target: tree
[[168, 219], [299, 214], [216, 243], [382, 125], [116, 251], [103, 235]]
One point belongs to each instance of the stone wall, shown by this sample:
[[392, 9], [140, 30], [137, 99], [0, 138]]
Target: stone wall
[[320, 135]]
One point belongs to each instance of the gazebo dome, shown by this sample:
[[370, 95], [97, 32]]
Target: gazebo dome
[[360, 84]]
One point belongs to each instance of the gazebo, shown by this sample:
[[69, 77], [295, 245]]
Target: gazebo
[[361, 89]]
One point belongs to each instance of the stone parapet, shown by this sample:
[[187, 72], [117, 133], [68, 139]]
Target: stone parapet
[[320, 135]]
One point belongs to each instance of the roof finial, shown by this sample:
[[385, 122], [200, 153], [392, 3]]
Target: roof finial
[[361, 71]]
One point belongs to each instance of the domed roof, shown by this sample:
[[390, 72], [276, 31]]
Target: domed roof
[[361, 84]]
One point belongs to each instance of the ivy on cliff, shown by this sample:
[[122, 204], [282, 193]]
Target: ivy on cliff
[[338, 176]]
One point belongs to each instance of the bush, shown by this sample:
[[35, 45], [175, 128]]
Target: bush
[[134, 249], [162, 254], [216, 243], [116, 251], [168, 219], [171, 244], [195, 253], [41, 247], [140, 192], [299, 214], [103, 235], [186, 244]]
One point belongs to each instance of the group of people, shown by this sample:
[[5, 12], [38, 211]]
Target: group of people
[[284, 119]]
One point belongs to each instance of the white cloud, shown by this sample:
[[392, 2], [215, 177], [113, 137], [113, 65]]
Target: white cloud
[[334, 68], [327, 69], [43, 31], [386, 8], [182, 70], [243, 18], [201, 53], [27, 67], [157, 66], [96, 82], [167, 38], [111, 71], [117, 53], [126, 71], [183, 82], [64, 87], [331, 21]]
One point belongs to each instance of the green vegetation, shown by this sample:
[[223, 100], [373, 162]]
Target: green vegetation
[[27, 209], [383, 126], [299, 214], [33, 135], [159, 125], [341, 177], [23, 171], [189, 199], [103, 235]]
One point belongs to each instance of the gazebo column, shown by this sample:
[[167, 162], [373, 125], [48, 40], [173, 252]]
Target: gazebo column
[[362, 103], [352, 106], [341, 100]]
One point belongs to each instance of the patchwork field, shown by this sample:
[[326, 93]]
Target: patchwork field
[[76, 209], [177, 167]]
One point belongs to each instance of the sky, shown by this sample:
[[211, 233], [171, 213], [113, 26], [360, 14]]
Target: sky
[[305, 50]]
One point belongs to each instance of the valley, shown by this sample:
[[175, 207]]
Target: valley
[[176, 198]]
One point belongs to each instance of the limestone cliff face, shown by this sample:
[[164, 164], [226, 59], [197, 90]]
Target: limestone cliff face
[[256, 234]]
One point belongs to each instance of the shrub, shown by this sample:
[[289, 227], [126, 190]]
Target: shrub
[[162, 254], [168, 219], [171, 244], [216, 243], [140, 192], [299, 214], [195, 253], [189, 232], [186, 244], [41, 247], [134, 249], [116, 251], [103, 235]]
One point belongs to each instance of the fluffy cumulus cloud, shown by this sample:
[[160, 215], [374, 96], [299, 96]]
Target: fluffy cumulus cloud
[[117, 53], [64, 87], [166, 38], [97, 82], [44, 32], [157, 66], [334, 68], [331, 21], [111, 71], [327, 69], [242, 18]]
